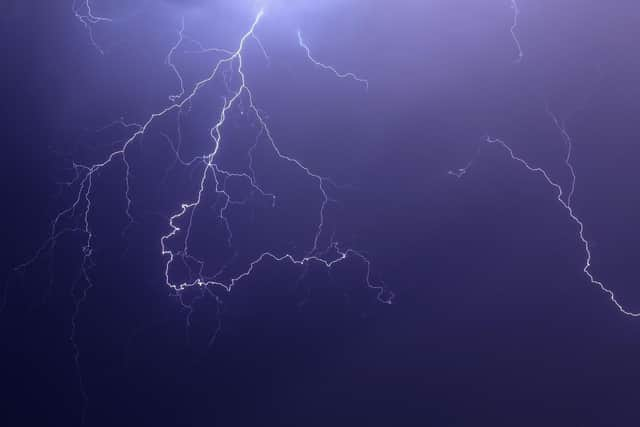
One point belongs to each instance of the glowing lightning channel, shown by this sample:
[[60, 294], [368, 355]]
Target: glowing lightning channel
[[338, 74], [460, 172], [169, 62], [262, 49], [84, 13], [567, 160], [214, 170], [85, 176], [514, 26], [211, 171], [567, 206]]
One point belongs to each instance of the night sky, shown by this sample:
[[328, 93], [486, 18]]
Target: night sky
[[493, 321]]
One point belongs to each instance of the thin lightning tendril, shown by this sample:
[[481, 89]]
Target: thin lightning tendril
[[460, 172], [567, 160], [262, 49], [84, 13], [566, 204], [514, 27], [338, 74], [169, 62]]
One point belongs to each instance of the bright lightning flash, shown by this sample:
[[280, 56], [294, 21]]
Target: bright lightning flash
[[212, 177], [565, 202]]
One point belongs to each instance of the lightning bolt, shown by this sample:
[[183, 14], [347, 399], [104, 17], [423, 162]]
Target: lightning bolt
[[461, 172], [330, 68], [514, 26], [567, 160], [175, 244], [565, 202], [565, 198], [83, 12], [212, 171], [212, 176], [169, 62]]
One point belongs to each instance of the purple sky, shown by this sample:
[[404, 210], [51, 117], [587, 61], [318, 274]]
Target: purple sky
[[494, 321]]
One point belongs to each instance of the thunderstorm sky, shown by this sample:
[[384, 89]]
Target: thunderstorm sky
[[320, 212]]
